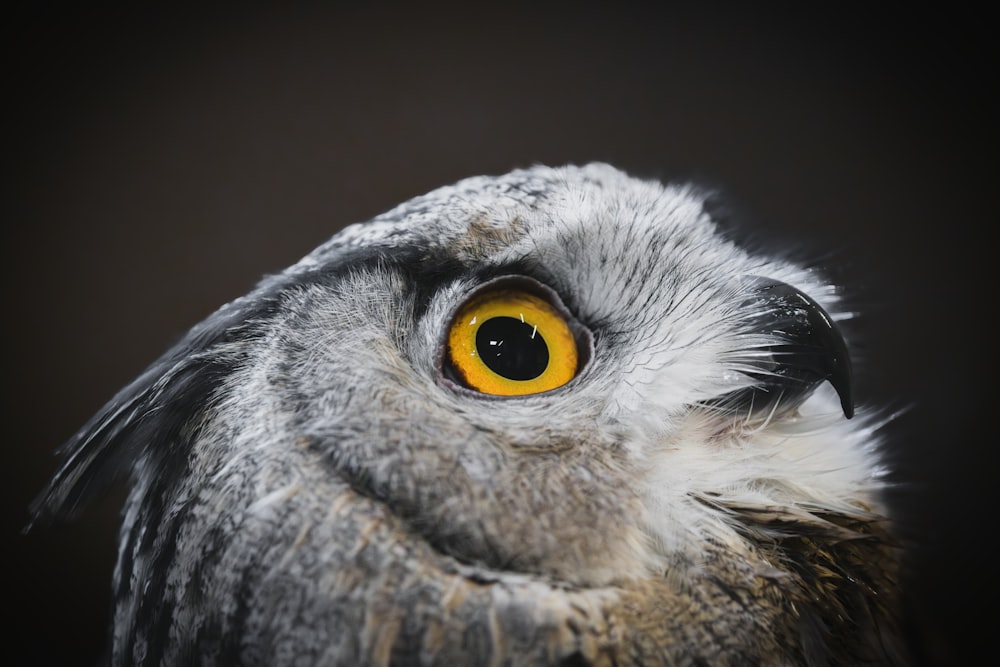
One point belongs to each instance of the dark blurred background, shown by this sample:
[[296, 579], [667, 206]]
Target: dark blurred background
[[158, 161]]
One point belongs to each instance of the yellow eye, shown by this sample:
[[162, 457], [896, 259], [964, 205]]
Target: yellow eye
[[510, 342]]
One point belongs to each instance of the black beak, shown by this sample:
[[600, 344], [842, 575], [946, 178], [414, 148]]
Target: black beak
[[809, 350]]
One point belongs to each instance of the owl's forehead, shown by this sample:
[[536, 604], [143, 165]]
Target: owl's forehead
[[615, 246], [595, 203], [570, 218], [481, 215]]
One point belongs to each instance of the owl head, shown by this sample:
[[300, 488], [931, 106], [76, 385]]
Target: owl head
[[551, 416]]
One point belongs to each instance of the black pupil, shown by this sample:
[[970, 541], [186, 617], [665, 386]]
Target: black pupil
[[511, 348]]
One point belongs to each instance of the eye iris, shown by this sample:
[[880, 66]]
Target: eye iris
[[507, 341], [512, 348]]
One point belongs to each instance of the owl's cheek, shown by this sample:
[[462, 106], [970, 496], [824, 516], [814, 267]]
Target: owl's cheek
[[572, 518], [559, 511]]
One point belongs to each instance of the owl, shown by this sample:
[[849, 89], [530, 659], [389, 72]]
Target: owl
[[553, 417]]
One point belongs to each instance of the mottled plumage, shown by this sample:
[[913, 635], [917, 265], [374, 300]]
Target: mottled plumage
[[316, 480]]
